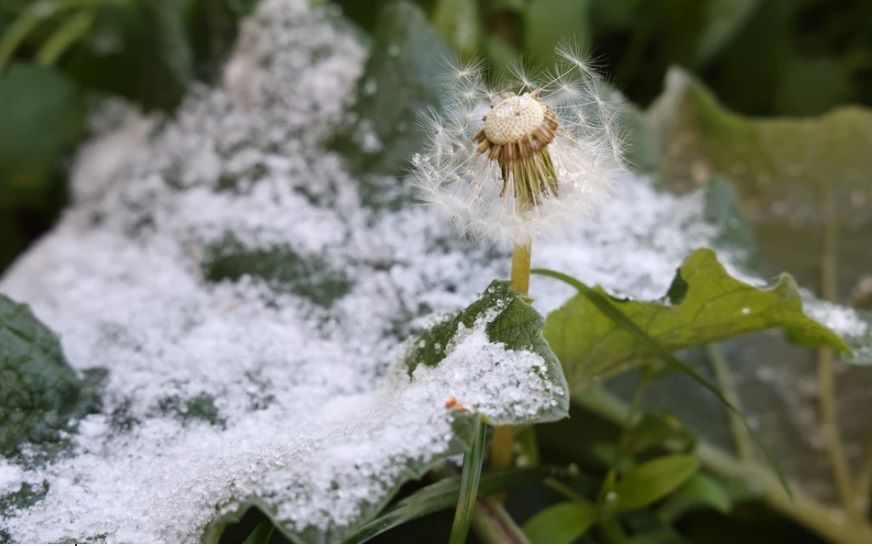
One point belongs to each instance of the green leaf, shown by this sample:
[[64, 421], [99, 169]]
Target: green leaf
[[549, 22], [700, 491], [561, 523], [703, 304], [41, 397], [653, 480], [46, 120], [398, 84], [151, 61], [799, 179], [469, 481], [796, 177], [515, 324]]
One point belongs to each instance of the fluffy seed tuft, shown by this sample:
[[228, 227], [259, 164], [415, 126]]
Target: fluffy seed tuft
[[506, 164]]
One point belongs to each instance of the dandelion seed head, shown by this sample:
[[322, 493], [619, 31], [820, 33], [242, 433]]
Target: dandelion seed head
[[507, 163], [513, 118]]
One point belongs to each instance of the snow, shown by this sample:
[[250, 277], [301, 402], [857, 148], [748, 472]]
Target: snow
[[842, 320], [306, 406]]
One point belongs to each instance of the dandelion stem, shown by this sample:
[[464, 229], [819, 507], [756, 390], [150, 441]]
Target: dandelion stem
[[521, 267], [504, 437]]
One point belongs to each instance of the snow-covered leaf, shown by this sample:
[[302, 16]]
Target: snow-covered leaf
[[512, 323], [41, 397]]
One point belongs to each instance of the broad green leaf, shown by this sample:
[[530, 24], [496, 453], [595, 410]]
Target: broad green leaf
[[398, 84], [650, 482], [46, 120], [561, 523], [703, 304], [42, 118], [798, 179], [41, 397]]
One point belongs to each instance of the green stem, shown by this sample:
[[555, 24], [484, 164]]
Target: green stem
[[521, 258], [826, 380], [469, 480], [504, 437], [728, 387], [824, 521], [72, 30]]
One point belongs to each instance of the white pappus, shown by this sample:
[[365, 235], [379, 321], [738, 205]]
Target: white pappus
[[508, 162]]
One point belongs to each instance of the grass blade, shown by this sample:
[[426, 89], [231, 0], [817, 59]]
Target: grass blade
[[442, 495], [469, 480], [64, 37]]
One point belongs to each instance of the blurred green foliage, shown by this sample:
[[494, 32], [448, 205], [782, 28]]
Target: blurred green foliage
[[762, 57], [57, 55]]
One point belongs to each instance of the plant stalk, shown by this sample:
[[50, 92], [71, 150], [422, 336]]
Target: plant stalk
[[725, 380], [826, 362], [469, 481], [504, 437]]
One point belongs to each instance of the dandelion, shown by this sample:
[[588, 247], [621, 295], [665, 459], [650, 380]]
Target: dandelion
[[506, 163], [509, 162]]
